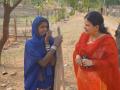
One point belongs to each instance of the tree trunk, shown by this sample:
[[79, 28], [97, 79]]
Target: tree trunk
[[5, 30], [101, 10], [7, 10], [15, 27], [0, 55]]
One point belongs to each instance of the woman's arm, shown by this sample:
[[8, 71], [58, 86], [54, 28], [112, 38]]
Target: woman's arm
[[49, 58], [53, 62]]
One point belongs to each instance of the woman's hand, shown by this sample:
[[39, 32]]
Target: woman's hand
[[87, 62], [58, 40], [48, 35], [78, 59]]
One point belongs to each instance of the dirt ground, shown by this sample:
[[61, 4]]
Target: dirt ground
[[71, 31]]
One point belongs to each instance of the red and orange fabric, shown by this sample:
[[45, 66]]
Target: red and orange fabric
[[104, 75]]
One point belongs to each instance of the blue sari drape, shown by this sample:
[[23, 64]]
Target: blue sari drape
[[34, 51]]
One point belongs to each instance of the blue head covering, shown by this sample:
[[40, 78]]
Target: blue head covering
[[34, 51]]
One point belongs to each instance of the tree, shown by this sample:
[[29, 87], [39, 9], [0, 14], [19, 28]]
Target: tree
[[94, 4], [111, 2], [8, 8], [97, 4], [39, 4]]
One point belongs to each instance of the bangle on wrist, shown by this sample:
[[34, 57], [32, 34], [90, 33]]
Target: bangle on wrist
[[47, 46], [53, 51], [54, 47]]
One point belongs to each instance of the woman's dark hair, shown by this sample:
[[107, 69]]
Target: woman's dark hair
[[97, 19]]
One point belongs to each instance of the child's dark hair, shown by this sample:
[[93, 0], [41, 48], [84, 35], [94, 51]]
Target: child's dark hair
[[97, 19]]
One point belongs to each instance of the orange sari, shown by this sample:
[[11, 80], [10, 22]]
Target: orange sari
[[104, 75]]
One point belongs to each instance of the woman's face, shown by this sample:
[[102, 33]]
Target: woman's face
[[42, 29], [90, 28]]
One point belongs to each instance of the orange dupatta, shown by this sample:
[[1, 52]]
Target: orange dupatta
[[104, 75]]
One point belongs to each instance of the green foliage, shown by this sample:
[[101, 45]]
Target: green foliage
[[61, 14], [72, 3], [97, 4], [38, 4], [1, 1], [72, 12], [10, 2], [112, 2]]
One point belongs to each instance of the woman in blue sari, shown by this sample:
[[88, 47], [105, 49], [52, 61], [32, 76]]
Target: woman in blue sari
[[39, 58]]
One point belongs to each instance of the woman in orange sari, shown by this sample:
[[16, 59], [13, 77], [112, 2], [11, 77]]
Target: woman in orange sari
[[96, 57]]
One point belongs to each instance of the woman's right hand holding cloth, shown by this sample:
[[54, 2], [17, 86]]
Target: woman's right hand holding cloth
[[84, 62]]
